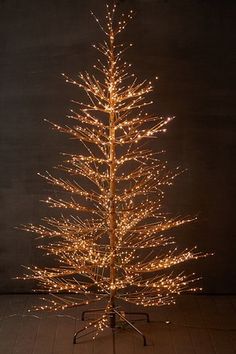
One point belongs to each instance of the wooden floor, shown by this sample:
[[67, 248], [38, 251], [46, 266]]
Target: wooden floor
[[199, 325]]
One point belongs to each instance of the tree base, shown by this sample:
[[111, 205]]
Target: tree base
[[113, 323]]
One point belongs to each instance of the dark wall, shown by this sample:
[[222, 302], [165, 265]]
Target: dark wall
[[190, 45]]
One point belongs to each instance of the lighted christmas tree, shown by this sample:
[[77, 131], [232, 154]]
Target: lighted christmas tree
[[112, 241]]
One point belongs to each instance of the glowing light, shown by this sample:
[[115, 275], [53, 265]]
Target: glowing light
[[111, 224]]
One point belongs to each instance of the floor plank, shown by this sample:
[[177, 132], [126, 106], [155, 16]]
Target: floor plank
[[63, 342], [219, 334], [181, 338], [85, 344], [200, 337], [227, 314], [25, 340], [160, 332], [124, 340], [45, 338], [12, 321]]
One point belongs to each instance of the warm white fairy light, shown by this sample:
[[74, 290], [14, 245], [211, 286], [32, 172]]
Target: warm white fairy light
[[105, 247]]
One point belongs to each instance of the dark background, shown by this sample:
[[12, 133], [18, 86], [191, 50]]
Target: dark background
[[190, 45]]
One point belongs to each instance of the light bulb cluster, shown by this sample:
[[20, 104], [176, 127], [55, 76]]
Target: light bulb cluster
[[113, 225]]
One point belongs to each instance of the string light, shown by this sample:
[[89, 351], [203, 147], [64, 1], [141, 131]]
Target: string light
[[113, 243]]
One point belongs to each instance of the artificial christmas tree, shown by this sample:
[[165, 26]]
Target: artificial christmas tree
[[111, 241]]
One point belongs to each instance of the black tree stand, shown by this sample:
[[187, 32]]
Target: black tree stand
[[114, 315]]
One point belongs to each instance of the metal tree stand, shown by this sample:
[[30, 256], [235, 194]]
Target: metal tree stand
[[113, 323]]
